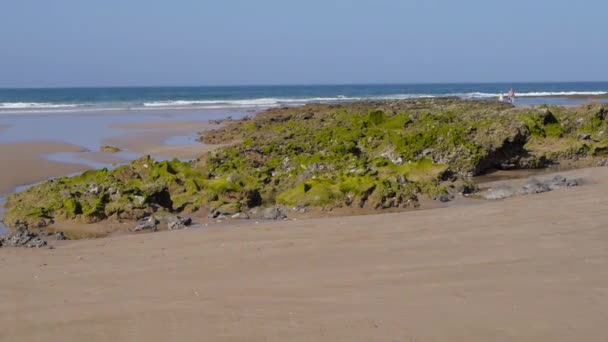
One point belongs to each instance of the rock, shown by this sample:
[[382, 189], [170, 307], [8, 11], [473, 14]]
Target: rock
[[228, 209], [138, 200], [93, 189], [534, 186], [109, 149], [556, 182], [60, 236], [499, 192], [177, 222], [273, 213], [444, 198], [584, 136], [23, 238], [36, 242], [147, 224], [240, 216], [301, 210], [574, 182]]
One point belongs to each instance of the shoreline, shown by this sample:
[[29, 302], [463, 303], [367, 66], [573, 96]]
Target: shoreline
[[252, 108]]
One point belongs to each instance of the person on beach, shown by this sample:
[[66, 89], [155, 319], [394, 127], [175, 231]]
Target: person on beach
[[511, 96], [501, 97]]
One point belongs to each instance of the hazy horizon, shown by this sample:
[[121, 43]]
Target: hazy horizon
[[73, 44], [302, 85]]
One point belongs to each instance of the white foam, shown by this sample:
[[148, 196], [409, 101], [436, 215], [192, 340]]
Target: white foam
[[261, 102], [563, 93], [256, 103], [536, 94], [35, 105]]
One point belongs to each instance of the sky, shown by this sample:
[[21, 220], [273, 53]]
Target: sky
[[67, 43]]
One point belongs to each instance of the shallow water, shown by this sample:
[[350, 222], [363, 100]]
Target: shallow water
[[90, 129]]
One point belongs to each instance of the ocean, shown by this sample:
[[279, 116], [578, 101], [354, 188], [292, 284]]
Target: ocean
[[259, 97]]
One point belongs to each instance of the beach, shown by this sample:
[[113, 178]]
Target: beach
[[529, 268]]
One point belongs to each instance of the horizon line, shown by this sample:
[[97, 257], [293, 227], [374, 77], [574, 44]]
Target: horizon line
[[289, 85]]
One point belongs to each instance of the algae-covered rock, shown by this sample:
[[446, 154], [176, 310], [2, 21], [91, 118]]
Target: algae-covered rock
[[370, 154], [109, 149]]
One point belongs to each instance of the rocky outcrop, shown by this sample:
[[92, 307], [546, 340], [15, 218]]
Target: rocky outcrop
[[371, 155]]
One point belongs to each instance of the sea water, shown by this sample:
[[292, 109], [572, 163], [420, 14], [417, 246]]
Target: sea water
[[81, 100]]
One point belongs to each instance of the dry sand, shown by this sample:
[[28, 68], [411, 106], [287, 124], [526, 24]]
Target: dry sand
[[532, 268], [24, 163]]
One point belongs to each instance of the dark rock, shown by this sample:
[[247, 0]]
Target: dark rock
[[60, 236], [534, 186], [584, 136], [36, 242], [273, 213], [444, 198], [147, 224], [177, 222], [24, 238]]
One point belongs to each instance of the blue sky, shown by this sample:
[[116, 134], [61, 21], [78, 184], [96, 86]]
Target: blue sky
[[202, 42]]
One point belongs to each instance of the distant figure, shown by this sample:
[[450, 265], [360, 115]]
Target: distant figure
[[512, 96], [501, 97]]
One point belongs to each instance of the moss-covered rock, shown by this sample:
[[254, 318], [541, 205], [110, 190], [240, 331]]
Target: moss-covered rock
[[373, 154]]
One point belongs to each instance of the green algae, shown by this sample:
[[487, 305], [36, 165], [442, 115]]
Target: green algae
[[378, 155]]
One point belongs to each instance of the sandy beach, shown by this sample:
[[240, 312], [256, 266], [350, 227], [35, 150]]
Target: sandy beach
[[530, 268], [25, 163]]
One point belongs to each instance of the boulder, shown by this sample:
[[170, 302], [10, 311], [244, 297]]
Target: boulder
[[23, 238], [177, 222], [444, 198], [60, 236], [534, 186], [147, 224], [273, 213]]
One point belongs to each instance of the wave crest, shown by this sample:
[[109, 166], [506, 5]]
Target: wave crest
[[35, 105]]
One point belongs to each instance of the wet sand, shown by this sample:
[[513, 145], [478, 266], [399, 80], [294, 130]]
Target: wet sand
[[530, 268], [24, 163], [151, 138], [190, 126]]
